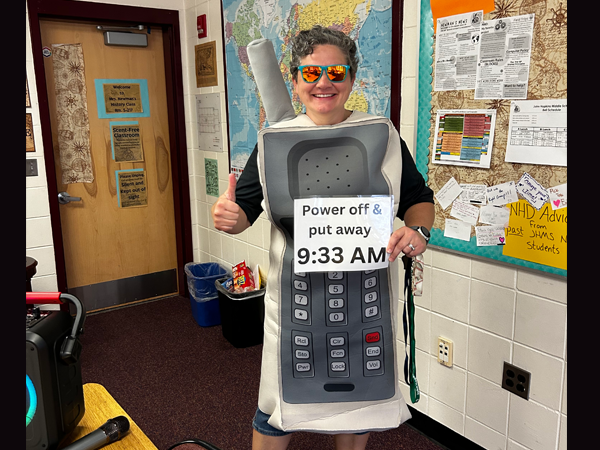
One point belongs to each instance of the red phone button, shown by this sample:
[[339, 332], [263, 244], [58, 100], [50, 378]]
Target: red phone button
[[372, 337]]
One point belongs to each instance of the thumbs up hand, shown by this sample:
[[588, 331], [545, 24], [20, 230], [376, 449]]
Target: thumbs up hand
[[226, 214]]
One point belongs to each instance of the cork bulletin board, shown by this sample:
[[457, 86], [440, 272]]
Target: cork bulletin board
[[547, 80]]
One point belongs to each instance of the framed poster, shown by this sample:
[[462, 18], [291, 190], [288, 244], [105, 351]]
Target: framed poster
[[131, 188], [206, 64], [29, 144]]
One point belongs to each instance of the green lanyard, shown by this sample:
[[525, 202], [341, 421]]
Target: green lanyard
[[410, 366]]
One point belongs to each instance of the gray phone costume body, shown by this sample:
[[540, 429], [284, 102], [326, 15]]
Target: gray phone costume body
[[320, 374]]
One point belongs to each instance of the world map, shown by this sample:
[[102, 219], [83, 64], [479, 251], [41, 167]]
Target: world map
[[368, 22]]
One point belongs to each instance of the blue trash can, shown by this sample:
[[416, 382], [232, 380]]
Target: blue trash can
[[204, 297]]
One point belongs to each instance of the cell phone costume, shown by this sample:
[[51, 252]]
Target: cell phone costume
[[329, 356]]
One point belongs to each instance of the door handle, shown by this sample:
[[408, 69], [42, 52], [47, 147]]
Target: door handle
[[64, 198]]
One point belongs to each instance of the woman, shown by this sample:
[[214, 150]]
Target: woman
[[323, 67]]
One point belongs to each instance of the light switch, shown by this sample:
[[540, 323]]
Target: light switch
[[31, 169]]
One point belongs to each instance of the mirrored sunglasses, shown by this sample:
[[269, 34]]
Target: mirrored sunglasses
[[312, 73]]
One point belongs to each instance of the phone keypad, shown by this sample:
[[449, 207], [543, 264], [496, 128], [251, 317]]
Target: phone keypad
[[371, 301], [338, 304], [373, 352], [302, 354], [338, 355], [301, 294]]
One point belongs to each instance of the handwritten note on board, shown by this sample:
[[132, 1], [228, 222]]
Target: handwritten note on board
[[558, 196], [537, 236], [448, 193], [532, 191], [502, 194]]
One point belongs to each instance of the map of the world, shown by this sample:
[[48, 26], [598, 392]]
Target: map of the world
[[368, 22]]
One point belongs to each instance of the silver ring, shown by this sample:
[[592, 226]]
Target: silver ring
[[411, 247]]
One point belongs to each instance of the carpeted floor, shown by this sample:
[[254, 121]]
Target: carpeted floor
[[178, 380]]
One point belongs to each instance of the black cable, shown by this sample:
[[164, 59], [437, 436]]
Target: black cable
[[204, 444]]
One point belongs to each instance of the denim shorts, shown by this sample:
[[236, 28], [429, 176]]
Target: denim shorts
[[260, 424]]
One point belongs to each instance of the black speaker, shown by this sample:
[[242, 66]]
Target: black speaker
[[54, 401]]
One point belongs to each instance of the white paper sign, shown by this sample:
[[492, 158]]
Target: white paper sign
[[490, 235], [473, 193], [504, 57], [465, 212], [502, 194], [342, 233], [208, 111], [558, 196], [457, 229], [456, 50], [494, 215], [448, 193], [532, 191], [537, 132]]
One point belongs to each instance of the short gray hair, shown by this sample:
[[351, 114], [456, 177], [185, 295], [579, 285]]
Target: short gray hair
[[304, 43]]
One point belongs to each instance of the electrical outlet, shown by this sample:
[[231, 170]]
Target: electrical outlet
[[445, 351], [516, 380]]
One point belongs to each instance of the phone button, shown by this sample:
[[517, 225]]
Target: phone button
[[300, 299], [372, 337], [303, 367], [337, 341], [373, 351], [301, 340], [340, 353], [302, 354], [301, 314], [374, 365], [338, 366]]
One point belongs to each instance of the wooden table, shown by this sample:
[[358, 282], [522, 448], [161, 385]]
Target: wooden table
[[100, 406]]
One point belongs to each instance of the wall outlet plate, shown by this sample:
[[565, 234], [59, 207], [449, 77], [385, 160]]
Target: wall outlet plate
[[516, 380], [445, 351]]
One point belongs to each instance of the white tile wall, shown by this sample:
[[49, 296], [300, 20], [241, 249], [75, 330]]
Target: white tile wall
[[546, 385], [484, 436], [487, 402], [535, 317], [490, 311], [450, 417], [450, 294], [448, 385], [492, 308], [487, 353], [532, 425]]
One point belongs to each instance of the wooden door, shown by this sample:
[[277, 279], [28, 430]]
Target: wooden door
[[114, 253]]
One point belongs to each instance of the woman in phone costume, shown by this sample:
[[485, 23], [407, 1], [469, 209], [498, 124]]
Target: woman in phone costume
[[329, 353]]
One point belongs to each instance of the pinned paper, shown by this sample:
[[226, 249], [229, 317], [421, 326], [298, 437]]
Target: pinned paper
[[558, 196], [502, 194], [457, 229], [465, 212], [448, 193], [532, 191], [490, 235], [494, 215], [473, 193]]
